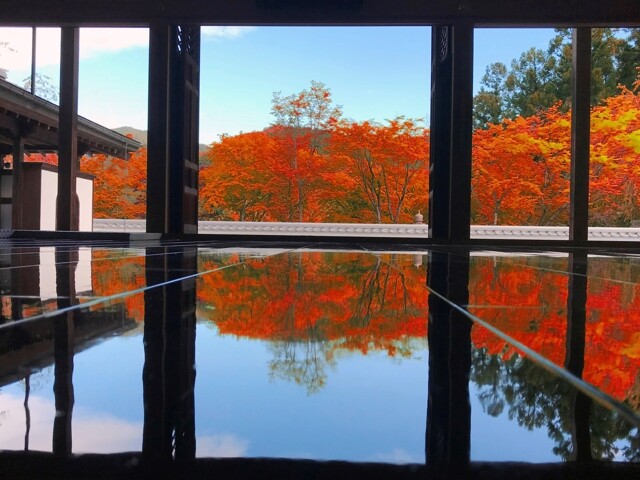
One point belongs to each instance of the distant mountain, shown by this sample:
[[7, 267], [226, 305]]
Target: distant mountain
[[138, 135], [141, 136]]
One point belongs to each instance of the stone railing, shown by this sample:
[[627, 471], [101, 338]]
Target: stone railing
[[373, 230]]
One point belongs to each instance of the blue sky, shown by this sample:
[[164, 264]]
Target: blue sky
[[373, 72]]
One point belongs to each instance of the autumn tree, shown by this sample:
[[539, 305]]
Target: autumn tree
[[521, 171], [120, 186], [48, 158], [388, 164], [521, 167], [240, 181], [615, 160], [303, 121]]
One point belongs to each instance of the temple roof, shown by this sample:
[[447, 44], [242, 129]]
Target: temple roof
[[35, 120]]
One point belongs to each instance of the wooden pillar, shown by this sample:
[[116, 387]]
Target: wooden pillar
[[183, 125], [448, 432], [441, 98], [67, 208], [461, 133], [451, 132], [169, 368], [17, 184], [66, 262], [574, 356], [580, 135], [63, 383], [158, 135], [172, 165]]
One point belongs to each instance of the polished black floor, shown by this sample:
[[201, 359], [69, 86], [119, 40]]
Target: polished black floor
[[129, 359]]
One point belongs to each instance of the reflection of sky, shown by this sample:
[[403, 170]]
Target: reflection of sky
[[501, 439], [372, 408], [93, 431]]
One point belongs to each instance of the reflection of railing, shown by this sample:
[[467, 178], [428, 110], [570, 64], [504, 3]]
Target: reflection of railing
[[373, 230]]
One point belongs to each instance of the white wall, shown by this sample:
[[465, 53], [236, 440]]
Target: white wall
[[84, 189], [49, 194], [49, 189], [48, 284], [48, 287], [83, 271]]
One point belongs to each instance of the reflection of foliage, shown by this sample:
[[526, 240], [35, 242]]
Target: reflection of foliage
[[302, 362], [310, 306], [536, 290], [537, 399], [113, 274]]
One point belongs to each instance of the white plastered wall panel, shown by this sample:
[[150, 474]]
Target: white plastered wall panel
[[49, 193], [84, 189]]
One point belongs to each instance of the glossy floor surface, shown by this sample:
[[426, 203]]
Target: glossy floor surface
[[199, 350]]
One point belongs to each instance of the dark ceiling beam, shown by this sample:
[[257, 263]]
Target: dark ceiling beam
[[10, 127], [318, 12]]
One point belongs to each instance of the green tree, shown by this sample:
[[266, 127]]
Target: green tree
[[628, 58], [607, 63], [489, 103], [536, 399], [539, 79], [529, 84]]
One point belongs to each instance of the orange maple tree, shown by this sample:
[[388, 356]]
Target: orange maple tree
[[120, 186], [521, 171], [241, 181], [521, 167], [615, 159], [384, 166]]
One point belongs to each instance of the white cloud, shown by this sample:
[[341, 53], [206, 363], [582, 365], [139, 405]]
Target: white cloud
[[221, 446], [15, 48], [105, 434], [95, 41], [398, 456], [225, 32], [92, 432], [13, 422], [15, 43]]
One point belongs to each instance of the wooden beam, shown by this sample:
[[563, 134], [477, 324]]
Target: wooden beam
[[67, 208], [17, 184], [461, 133], [440, 139], [158, 136], [448, 426], [580, 413], [580, 135], [451, 129], [64, 334], [327, 12], [183, 129]]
